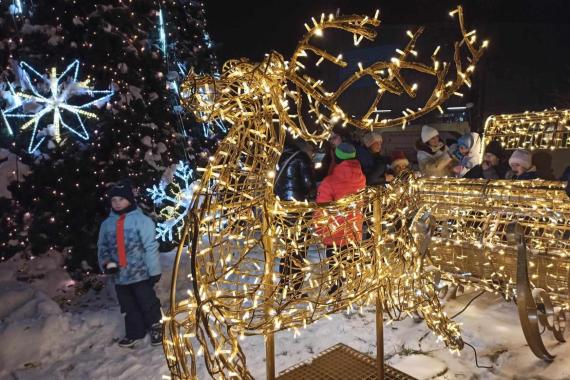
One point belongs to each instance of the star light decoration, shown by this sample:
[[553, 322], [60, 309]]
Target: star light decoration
[[33, 104], [178, 200]]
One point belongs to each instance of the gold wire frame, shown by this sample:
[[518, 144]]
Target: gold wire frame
[[258, 264], [470, 241], [471, 244], [548, 129]]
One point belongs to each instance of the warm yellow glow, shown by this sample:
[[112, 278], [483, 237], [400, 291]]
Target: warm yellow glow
[[239, 234]]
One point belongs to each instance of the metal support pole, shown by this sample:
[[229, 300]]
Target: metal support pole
[[377, 212], [270, 356], [379, 337], [268, 235]]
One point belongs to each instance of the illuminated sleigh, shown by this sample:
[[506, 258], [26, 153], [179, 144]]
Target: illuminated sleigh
[[508, 237], [238, 233]]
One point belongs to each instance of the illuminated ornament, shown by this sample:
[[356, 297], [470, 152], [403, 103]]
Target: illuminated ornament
[[34, 105], [178, 200]]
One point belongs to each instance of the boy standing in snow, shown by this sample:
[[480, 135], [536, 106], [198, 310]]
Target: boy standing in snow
[[127, 248]]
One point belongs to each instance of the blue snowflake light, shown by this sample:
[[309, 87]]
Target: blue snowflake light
[[177, 201], [35, 103]]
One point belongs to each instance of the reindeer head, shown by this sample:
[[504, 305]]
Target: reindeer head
[[237, 92], [243, 85]]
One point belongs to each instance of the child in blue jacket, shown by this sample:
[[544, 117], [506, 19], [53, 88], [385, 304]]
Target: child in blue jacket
[[127, 249]]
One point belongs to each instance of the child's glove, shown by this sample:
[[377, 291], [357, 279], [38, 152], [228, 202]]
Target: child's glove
[[111, 267], [457, 154]]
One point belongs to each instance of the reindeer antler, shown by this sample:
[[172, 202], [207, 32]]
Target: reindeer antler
[[387, 75]]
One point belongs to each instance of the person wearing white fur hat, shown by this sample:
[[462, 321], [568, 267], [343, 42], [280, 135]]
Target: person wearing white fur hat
[[521, 165], [434, 159]]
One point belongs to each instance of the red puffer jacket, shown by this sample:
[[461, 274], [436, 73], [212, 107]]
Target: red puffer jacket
[[347, 178]]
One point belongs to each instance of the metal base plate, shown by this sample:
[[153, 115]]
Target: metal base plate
[[340, 362]]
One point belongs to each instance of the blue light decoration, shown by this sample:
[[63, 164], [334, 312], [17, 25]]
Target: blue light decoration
[[177, 201], [208, 40], [162, 32], [16, 8], [34, 105]]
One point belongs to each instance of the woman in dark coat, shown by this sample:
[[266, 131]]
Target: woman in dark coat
[[295, 180], [494, 166]]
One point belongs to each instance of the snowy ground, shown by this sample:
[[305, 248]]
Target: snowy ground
[[40, 341]]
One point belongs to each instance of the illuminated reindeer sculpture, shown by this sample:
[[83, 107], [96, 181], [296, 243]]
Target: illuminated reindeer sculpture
[[238, 233]]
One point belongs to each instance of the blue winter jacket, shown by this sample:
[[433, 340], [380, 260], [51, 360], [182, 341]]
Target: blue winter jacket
[[140, 245]]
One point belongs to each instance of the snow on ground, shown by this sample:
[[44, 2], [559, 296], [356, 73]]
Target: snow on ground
[[40, 341]]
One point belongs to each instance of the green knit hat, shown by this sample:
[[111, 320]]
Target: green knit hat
[[345, 151]]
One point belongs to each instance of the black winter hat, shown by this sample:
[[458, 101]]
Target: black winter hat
[[123, 189], [495, 147]]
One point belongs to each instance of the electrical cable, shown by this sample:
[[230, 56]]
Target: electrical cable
[[468, 304], [476, 359]]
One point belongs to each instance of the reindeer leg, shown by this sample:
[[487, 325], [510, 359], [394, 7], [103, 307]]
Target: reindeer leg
[[526, 305], [222, 352]]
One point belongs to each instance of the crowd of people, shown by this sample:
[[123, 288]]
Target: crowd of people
[[128, 250], [349, 165], [300, 170]]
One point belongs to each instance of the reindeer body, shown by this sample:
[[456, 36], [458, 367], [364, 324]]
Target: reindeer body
[[238, 230]]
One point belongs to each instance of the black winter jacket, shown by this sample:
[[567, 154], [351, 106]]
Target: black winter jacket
[[297, 180], [494, 172], [374, 166]]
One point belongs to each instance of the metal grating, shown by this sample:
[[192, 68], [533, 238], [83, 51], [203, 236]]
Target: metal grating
[[340, 362]]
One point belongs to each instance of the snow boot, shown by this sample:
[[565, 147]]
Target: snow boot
[[127, 342], [156, 334]]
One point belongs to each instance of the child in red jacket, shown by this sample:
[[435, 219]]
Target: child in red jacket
[[346, 179]]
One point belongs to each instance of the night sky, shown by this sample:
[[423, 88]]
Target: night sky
[[527, 66]]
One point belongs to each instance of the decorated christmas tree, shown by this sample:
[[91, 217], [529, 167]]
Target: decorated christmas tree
[[89, 96]]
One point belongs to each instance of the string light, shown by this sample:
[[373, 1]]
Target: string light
[[548, 129], [162, 32], [470, 245], [61, 93], [237, 229]]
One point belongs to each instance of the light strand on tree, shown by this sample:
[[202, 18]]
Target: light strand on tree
[[162, 33]]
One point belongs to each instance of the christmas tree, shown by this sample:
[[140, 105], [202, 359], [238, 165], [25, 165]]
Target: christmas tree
[[113, 68]]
